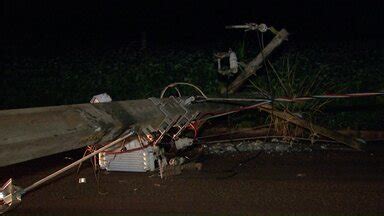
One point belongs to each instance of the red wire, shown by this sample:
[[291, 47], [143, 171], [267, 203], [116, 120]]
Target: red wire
[[195, 130], [254, 106], [128, 150]]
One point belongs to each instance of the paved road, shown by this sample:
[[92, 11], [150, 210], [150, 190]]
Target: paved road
[[321, 182]]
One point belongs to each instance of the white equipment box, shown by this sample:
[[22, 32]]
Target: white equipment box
[[136, 161]]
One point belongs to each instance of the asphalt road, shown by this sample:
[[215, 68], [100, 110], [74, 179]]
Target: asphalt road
[[311, 183]]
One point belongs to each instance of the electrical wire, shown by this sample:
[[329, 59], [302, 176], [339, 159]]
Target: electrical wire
[[219, 114], [122, 151], [298, 99], [195, 131], [182, 83], [259, 101]]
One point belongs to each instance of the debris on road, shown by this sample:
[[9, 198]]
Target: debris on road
[[82, 180]]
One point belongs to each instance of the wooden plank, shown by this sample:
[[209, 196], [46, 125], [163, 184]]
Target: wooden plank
[[347, 140], [256, 63]]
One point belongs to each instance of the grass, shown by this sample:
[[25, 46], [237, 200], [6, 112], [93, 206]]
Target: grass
[[305, 72]]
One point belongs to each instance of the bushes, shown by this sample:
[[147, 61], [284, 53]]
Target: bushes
[[75, 77], [125, 73]]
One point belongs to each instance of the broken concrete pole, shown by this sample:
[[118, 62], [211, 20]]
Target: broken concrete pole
[[31, 133]]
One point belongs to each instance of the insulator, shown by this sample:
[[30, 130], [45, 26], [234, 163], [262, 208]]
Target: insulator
[[233, 65]]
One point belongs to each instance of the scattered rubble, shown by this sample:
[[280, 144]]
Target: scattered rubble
[[258, 145]]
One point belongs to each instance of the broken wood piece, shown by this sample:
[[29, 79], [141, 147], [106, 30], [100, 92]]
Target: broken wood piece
[[255, 64], [347, 140]]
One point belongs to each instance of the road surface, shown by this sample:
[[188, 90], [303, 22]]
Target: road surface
[[305, 183]]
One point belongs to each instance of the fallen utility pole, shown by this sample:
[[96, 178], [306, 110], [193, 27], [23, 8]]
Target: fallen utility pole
[[256, 63], [32, 133]]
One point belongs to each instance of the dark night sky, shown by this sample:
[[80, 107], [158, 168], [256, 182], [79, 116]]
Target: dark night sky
[[190, 20], [35, 34]]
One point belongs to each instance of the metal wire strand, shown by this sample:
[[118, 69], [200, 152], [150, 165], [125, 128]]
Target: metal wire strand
[[182, 83]]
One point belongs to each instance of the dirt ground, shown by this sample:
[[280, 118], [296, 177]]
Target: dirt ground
[[319, 182]]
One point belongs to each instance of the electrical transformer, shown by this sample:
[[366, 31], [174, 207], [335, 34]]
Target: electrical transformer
[[141, 160]]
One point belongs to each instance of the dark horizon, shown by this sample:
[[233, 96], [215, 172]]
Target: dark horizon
[[62, 45], [189, 21]]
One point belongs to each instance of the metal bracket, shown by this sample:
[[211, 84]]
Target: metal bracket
[[175, 115], [10, 196], [251, 27]]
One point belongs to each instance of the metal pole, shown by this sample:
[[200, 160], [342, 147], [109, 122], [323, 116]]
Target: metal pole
[[53, 175]]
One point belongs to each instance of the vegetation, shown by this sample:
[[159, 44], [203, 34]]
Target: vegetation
[[128, 73]]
